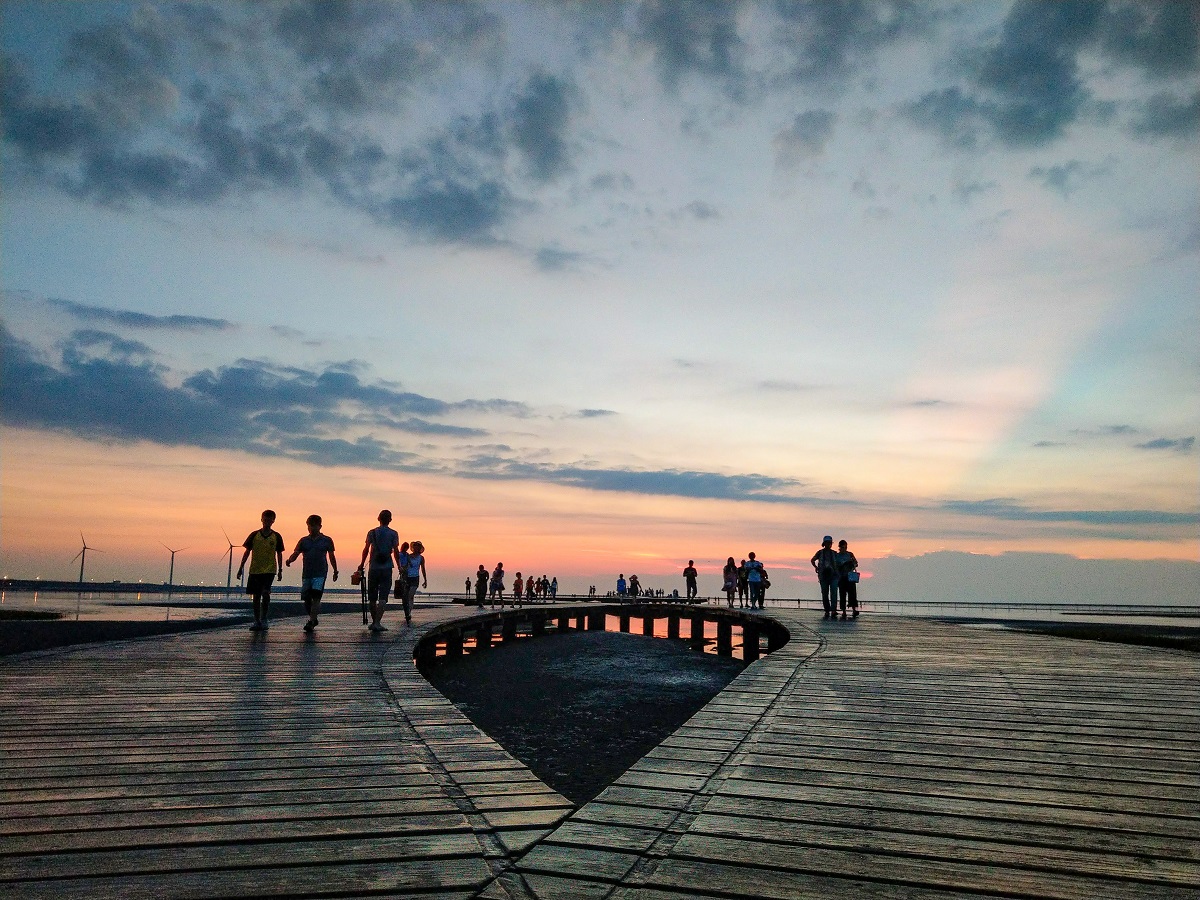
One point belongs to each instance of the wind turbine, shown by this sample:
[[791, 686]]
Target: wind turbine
[[171, 577], [82, 557], [229, 553]]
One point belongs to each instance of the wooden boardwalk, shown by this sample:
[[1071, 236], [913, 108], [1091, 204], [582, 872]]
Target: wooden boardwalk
[[882, 757]]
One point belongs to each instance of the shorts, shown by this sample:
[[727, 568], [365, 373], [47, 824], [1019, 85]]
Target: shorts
[[316, 583], [379, 585], [259, 583]]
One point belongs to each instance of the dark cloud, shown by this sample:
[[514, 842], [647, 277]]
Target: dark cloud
[[966, 191], [612, 181], [665, 483], [128, 134], [539, 120], [1165, 115], [1179, 445], [1026, 88], [130, 319], [1010, 511], [595, 413], [702, 211], [806, 138], [828, 40], [1159, 37], [1063, 179], [554, 258], [109, 398], [111, 388], [692, 37]]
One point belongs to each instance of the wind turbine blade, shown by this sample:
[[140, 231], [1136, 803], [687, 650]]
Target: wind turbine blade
[[76, 556]]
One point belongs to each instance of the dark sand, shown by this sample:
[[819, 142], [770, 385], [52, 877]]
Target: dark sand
[[20, 636], [1172, 637], [579, 709]]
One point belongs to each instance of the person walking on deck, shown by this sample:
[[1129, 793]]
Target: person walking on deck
[[264, 549], [824, 561], [381, 547], [413, 573], [317, 550]]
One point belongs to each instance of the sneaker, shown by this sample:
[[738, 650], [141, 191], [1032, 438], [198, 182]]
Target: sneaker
[[374, 627], [408, 620], [257, 626], [309, 626]]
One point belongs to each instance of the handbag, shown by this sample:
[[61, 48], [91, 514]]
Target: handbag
[[852, 577], [356, 577], [398, 589]]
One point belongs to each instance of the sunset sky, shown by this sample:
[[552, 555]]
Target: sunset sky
[[600, 287]]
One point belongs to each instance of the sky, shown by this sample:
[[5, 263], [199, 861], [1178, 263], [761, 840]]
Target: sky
[[598, 288]]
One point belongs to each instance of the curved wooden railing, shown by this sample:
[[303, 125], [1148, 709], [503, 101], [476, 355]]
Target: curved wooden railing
[[484, 629]]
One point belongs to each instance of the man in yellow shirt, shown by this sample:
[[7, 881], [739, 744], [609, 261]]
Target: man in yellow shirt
[[264, 549]]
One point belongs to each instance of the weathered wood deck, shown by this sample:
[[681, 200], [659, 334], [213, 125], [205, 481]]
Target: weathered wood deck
[[882, 757]]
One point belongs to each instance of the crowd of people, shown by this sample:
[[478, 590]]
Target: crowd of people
[[836, 570], [747, 581], [524, 589]]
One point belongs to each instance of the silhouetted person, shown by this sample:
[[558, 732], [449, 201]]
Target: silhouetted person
[[847, 578], [824, 561], [381, 547], [755, 576], [689, 579], [264, 549], [317, 550], [730, 576], [481, 585]]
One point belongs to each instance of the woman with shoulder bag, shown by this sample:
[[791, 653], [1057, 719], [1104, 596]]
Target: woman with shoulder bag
[[847, 564]]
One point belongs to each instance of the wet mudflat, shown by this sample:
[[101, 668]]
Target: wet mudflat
[[579, 709]]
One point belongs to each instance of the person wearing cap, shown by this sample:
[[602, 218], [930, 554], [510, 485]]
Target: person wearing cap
[[824, 561], [755, 578], [414, 574]]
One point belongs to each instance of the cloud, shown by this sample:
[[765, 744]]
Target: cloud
[[552, 258], [1066, 178], [1010, 511], [1164, 115], [702, 211], [595, 413], [692, 37], [661, 482], [825, 42], [539, 121], [785, 387], [108, 387], [1159, 37], [966, 191], [806, 138], [1026, 87], [129, 319], [1180, 445], [117, 132]]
